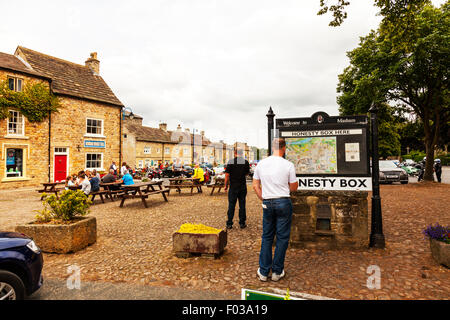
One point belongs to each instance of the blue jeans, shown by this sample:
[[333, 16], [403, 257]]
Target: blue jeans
[[277, 219]]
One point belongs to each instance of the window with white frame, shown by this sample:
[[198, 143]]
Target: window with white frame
[[141, 164], [94, 161], [185, 151], [166, 150], [15, 84], [16, 123], [14, 163], [158, 150], [94, 127], [147, 150]]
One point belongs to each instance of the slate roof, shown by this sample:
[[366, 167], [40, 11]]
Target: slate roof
[[69, 78], [144, 133], [13, 63]]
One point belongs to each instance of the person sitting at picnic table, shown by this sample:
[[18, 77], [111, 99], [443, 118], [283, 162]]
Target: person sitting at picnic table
[[95, 174], [85, 184], [199, 175], [69, 182], [110, 178], [94, 181], [127, 179], [123, 168]]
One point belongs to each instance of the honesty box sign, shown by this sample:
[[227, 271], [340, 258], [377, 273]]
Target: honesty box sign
[[329, 153], [336, 183]]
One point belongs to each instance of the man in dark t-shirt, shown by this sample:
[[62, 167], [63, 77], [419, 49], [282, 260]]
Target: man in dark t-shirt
[[109, 178], [235, 177]]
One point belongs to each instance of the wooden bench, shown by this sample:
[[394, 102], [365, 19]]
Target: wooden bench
[[51, 187], [181, 186], [143, 196], [135, 191], [216, 185], [181, 183], [98, 193]]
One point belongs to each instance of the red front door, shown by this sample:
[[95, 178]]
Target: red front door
[[60, 167]]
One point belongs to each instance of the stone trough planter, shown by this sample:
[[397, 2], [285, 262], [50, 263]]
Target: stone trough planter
[[208, 245], [440, 251], [62, 238]]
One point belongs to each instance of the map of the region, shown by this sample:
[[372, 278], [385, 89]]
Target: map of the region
[[312, 155]]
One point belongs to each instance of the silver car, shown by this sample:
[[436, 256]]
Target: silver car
[[390, 172]]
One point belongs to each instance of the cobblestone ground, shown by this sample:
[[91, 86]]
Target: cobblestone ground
[[135, 246]]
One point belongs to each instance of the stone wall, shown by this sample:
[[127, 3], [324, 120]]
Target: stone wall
[[68, 129], [34, 144], [329, 219]]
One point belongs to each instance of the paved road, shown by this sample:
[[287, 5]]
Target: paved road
[[55, 289]]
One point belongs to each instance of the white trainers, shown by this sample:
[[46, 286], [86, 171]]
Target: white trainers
[[276, 277], [260, 276]]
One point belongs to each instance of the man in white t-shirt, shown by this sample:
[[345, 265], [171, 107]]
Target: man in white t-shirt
[[273, 180]]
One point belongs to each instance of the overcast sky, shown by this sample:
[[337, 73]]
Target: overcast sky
[[213, 65]]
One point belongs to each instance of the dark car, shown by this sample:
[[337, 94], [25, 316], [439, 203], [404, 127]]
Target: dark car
[[390, 172], [188, 171], [167, 172], [21, 265]]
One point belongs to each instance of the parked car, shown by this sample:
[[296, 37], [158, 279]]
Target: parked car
[[390, 172], [188, 171], [21, 265], [168, 172], [411, 170]]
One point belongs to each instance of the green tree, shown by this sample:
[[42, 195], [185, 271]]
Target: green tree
[[392, 10], [407, 73]]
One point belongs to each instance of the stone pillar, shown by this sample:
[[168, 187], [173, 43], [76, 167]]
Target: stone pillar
[[329, 219]]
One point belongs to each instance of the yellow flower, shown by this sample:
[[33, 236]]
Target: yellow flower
[[197, 228]]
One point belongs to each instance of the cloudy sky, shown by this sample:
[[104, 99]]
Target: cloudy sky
[[213, 65]]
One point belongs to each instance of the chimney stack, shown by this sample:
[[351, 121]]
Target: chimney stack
[[187, 130], [163, 126], [202, 133], [179, 128], [93, 64]]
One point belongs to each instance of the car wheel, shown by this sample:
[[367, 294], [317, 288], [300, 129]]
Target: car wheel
[[11, 286]]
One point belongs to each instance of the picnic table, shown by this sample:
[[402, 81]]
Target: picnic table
[[218, 184], [179, 183], [51, 187], [142, 190], [111, 189]]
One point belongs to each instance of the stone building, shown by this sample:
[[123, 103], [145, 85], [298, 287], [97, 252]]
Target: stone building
[[84, 134], [146, 146]]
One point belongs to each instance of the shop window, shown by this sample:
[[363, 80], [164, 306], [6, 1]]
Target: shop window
[[94, 161], [14, 163], [16, 124]]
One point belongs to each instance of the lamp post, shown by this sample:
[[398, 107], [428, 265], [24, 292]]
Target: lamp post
[[376, 233], [270, 115], [130, 113]]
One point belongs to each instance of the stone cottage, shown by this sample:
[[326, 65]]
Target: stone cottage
[[84, 134]]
